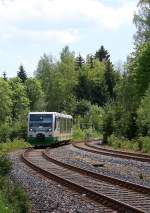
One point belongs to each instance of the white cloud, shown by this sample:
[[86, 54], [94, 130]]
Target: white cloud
[[13, 12], [61, 36]]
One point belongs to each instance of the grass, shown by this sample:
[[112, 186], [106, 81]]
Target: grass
[[10, 146], [13, 198], [141, 144]]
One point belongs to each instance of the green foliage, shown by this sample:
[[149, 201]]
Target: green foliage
[[143, 113], [22, 74], [140, 144], [5, 165], [78, 134], [13, 197], [84, 134], [82, 108], [5, 132], [12, 145], [20, 101], [102, 54], [144, 144], [142, 69], [34, 93], [5, 100], [107, 123], [142, 22], [95, 117]]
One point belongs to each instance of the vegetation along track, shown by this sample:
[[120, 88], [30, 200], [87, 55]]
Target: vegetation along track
[[110, 194], [89, 146]]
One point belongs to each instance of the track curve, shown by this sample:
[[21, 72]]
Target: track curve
[[114, 196], [88, 146]]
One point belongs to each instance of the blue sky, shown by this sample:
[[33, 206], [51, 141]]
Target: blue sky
[[30, 28]]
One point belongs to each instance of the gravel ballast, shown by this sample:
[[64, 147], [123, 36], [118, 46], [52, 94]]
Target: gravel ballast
[[49, 196], [131, 170]]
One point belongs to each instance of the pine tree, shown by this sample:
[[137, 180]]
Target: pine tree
[[109, 78], [102, 54], [80, 61], [90, 61], [22, 74], [4, 76]]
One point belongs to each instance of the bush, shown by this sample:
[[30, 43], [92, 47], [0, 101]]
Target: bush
[[13, 197], [144, 144], [78, 134], [5, 132], [19, 130], [5, 165]]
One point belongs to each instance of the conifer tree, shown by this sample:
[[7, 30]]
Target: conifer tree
[[4, 76], [102, 54], [22, 74], [80, 61]]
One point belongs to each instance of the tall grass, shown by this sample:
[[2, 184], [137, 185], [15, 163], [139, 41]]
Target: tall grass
[[13, 145], [141, 144]]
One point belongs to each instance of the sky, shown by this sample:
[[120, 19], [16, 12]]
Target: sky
[[30, 28]]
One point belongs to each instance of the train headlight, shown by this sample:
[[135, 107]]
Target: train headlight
[[31, 129], [49, 129]]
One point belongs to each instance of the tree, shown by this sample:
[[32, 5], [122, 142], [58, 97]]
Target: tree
[[90, 61], [91, 84], [34, 93], [5, 100], [102, 54], [142, 22], [4, 76], [141, 69], [20, 101], [22, 74], [82, 108], [110, 78], [79, 61], [143, 114], [45, 70]]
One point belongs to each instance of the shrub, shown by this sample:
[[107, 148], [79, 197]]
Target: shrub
[[144, 143], [13, 197], [78, 134], [5, 165], [5, 132]]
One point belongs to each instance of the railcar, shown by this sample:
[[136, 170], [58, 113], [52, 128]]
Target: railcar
[[46, 128]]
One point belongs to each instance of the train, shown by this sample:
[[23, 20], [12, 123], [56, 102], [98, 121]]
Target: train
[[47, 128]]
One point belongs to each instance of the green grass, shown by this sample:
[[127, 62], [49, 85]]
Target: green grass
[[13, 198], [141, 144], [13, 145]]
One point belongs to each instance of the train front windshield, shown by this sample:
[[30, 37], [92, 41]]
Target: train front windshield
[[40, 121]]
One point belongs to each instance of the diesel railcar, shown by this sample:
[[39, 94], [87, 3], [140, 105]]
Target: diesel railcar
[[46, 128]]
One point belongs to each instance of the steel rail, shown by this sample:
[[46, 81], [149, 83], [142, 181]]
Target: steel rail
[[90, 143], [117, 181], [90, 148], [108, 201]]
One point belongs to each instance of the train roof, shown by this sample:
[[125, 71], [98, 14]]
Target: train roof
[[54, 113]]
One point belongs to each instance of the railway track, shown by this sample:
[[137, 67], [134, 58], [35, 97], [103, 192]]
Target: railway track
[[90, 147], [106, 191]]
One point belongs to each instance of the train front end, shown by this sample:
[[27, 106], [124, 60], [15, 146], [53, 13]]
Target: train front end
[[40, 128]]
